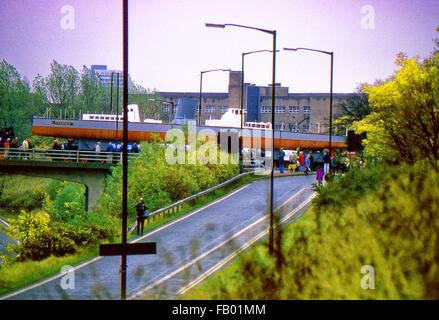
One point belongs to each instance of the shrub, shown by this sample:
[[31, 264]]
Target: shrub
[[39, 239], [394, 228]]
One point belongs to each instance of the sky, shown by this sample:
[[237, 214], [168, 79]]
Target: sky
[[169, 44]]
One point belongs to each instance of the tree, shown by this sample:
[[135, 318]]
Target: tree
[[355, 108], [93, 95], [150, 104], [60, 88], [17, 103], [405, 121]]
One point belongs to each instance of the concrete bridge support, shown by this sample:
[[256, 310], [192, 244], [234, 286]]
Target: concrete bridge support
[[91, 175]]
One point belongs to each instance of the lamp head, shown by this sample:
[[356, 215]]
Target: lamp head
[[215, 25]]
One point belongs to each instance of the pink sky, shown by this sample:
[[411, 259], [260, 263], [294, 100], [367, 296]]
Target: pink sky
[[169, 44]]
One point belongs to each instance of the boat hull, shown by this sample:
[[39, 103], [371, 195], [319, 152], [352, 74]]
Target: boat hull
[[112, 131]]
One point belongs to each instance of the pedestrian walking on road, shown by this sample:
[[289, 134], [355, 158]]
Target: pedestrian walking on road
[[307, 164], [326, 160], [281, 160], [302, 161], [142, 213], [319, 176]]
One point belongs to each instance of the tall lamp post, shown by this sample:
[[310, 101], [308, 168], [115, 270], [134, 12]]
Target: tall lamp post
[[242, 99], [273, 33], [330, 90], [201, 90]]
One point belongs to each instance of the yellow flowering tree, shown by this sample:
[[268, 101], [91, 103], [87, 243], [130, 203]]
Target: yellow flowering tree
[[405, 123]]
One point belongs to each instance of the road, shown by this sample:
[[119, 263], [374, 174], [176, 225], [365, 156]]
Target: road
[[4, 239], [189, 249]]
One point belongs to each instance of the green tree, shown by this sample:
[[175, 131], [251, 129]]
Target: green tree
[[60, 88], [405, 123], [17, 103], [355, 108], [150, 104], [92, 95]]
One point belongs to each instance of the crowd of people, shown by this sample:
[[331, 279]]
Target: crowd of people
[[304, 162]]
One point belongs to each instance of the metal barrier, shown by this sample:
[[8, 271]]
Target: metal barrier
[[62, 155], [176, 206]]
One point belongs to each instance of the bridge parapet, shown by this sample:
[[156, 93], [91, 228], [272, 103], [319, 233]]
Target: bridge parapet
[[78, 156], [87, 167]]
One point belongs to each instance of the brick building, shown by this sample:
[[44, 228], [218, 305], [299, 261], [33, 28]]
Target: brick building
[[297, 112]]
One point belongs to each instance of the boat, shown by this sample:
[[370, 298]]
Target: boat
[[108, 128]]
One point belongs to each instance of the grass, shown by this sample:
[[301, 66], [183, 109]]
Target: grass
[[18, 275]]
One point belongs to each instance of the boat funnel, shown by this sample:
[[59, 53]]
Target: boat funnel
[[185, 111]]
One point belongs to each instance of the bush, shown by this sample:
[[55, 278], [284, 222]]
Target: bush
[[39, 239], [22, 192], [350, 187], [159, 183], [393, 227]]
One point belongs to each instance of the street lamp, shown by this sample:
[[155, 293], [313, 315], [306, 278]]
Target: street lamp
[[330, 90], [201, 89], [242, 97], [273, 33]]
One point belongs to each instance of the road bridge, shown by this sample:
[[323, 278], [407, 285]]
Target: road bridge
[[86, 167]]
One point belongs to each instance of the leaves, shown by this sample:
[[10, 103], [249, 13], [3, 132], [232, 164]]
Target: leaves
[[404, 126]]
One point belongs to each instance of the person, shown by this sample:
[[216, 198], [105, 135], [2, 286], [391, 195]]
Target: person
[[98, 147], [281, 160], [307, 164], [56, 145], [24, 147], [319, 176], [302, 161], [334, 163], [110, 147], [326, 160], [142, 213]]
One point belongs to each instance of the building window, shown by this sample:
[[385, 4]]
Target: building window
[[265, 109], [210, 109], [306, 128], [306, 109], [280, 109], [294, 109], [223, 109]]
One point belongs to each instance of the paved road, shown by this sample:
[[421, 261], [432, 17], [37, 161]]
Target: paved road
[[4, 239], [189, 249]]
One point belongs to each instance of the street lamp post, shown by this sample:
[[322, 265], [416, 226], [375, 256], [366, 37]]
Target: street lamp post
[[330, 90], [242, 99], [201, 90], [273, 33]]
